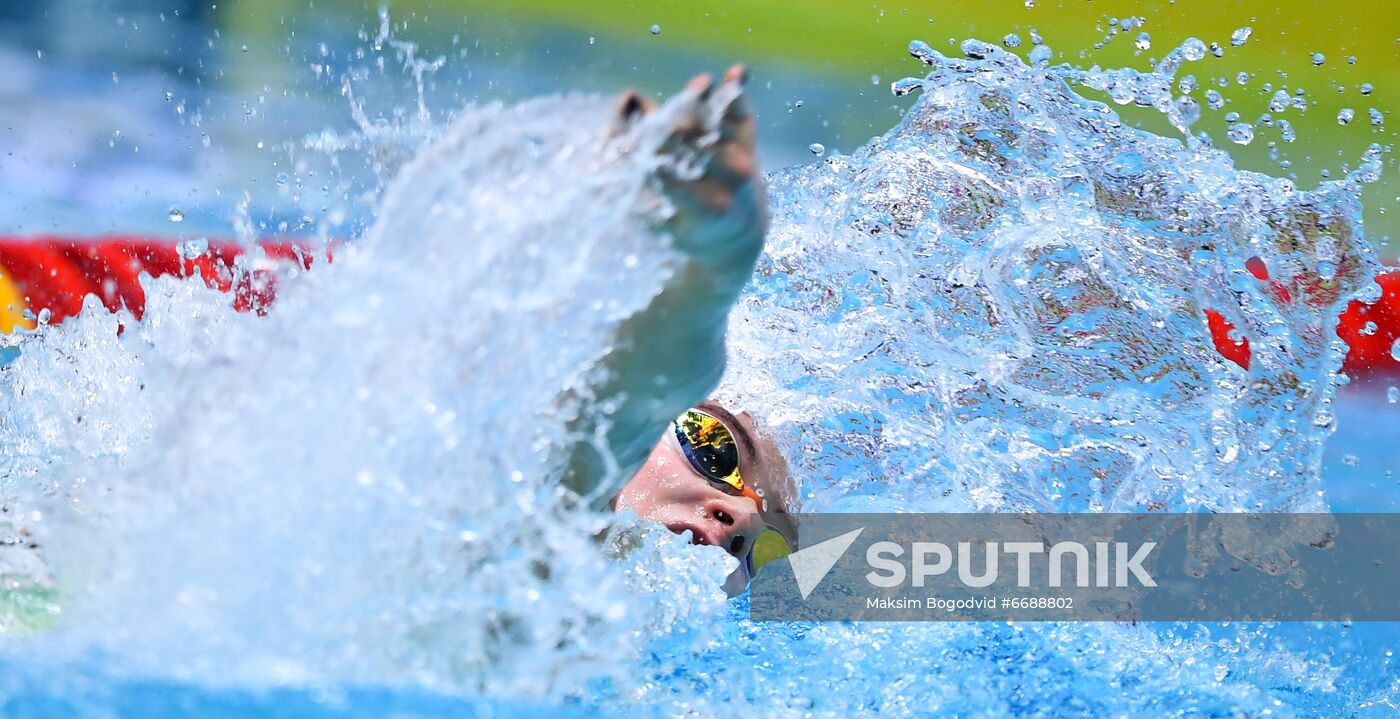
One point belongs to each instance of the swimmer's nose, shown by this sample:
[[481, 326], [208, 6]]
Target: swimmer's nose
[[735, 522]]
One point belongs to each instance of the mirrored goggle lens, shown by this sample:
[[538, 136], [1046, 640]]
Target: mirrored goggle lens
[[710, 447]]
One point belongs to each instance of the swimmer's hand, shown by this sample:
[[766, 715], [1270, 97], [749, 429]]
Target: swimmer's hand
[[708, 199]]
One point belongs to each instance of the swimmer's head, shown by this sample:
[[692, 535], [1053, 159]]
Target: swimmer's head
[[711, 474]]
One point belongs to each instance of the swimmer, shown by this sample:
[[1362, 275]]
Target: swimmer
[[710, 473]]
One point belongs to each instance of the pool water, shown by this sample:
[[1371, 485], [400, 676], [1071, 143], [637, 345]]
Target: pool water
[[997, 305]]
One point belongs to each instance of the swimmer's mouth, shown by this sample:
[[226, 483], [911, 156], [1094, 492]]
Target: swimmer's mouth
[[700, 535]]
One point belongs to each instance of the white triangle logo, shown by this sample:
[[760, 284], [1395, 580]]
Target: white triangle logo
[[811, 564]]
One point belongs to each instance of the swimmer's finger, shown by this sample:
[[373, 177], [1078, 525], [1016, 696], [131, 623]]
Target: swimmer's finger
[[737, 127]]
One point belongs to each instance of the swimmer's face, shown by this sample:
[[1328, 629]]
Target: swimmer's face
[[669, 491]]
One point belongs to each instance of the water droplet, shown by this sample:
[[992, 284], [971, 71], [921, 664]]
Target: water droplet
[[169, 96], [245, 48], [1351, 59], [1187, 85], [592, 39], [874, 79], [1368, 329], [1241, 36], [176, 215], [1241, 133], [1392, 395], [1193, 49], [1318, 58], [1377, 118], [1040, 56], [1214, 100], [1216, 50], [1286, 131], [817, 149], [1011, 40], [190, 249], [1366, 88], [1232, 116], [656, 29], [1395, 350], [903, 87], [45, 315], [1279, 102], [1345, 116], [1242, 77], [1143, 41], [1030, 3]]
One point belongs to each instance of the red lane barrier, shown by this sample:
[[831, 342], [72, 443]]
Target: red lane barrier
[[1371, 332], [56, 273], [53, 275], [1369, 329]]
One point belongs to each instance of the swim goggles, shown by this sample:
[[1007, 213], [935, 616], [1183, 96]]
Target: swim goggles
[[713, 452]]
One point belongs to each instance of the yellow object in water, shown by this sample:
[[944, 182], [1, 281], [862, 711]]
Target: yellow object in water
[[769, 546], [12, 305]]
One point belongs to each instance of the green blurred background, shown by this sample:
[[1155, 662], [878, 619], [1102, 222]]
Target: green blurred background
[[262, 74], [837, 57]]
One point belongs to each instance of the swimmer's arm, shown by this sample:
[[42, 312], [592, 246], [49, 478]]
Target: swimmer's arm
[[671, 355]]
